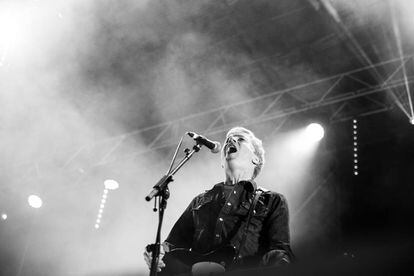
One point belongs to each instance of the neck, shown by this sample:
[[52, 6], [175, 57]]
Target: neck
[[235, 176]]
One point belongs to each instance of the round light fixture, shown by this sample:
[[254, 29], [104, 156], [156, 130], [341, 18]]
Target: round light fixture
[[111, 184]]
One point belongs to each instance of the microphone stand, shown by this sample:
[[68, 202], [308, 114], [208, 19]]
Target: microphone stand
[[161, 192]]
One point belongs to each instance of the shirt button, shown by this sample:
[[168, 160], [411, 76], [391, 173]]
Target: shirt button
[[234, 192], [228, 203], [217, 236], [220, 219]]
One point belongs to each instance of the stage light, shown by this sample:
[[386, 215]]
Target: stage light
[[3, 216], [314, 132], [412, 120], [111, 184], [355, 138], [35, 201]]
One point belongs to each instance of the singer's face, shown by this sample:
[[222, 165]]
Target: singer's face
[[238, 151]]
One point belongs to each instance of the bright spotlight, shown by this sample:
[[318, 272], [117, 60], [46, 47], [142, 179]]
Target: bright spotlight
[[314, 132], [412, 120], [3, 216], [111, 184], [35, 201]]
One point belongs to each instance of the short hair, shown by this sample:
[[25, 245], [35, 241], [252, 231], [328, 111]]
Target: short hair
[[257, 145]]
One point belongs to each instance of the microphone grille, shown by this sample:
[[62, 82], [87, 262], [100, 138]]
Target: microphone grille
[[216, 148]]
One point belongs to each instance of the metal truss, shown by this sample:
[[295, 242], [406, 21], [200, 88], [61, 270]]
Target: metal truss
[[404, 101], [275, 107]]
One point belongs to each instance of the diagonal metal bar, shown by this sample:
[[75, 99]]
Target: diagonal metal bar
[[359, 80], [338, 110], [394, 72], [111, 150], [311, 196], [158, 137], [271, 105], [376, 101], [331, 88], [73, 156], [298, 98], [218, 118], [279, 126]]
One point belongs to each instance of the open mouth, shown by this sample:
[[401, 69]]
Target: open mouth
[[231, 149]]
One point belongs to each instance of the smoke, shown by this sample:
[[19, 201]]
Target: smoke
[[296, 170], [76, 72], [362, 15], [75, 75]]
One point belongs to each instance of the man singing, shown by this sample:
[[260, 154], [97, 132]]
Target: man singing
[[235, 214]]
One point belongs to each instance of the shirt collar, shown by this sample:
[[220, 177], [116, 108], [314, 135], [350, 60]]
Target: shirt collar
[[249, 185]]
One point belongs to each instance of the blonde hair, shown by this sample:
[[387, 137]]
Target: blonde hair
[[257, 145]]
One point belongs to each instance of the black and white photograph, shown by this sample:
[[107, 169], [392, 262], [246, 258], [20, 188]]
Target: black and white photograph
[[206, 137]]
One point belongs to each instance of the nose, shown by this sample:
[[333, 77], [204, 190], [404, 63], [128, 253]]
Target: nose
[[231, 140]]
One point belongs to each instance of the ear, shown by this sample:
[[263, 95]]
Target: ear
[[255, 160]]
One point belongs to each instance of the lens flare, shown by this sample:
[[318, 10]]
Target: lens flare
[[314, 132]]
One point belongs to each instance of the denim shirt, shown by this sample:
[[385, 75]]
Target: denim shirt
[[218, 217]]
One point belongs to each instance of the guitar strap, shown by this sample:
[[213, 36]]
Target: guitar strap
[[257, 195]]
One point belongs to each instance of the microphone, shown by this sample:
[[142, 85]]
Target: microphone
[[214, 146]]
